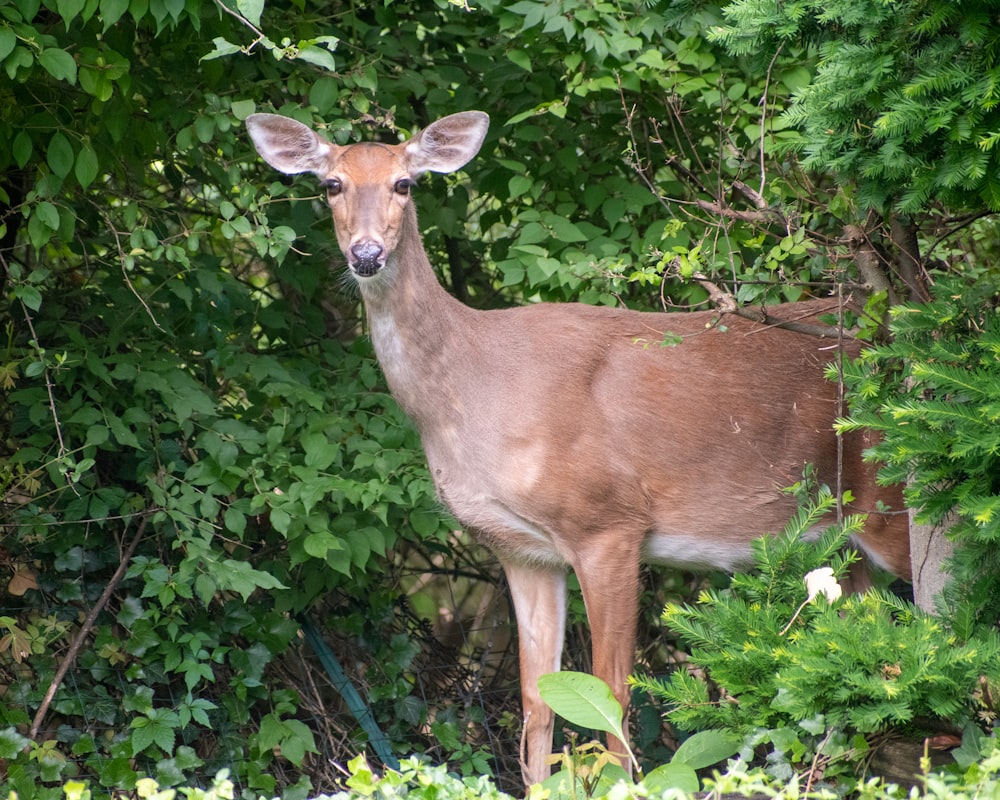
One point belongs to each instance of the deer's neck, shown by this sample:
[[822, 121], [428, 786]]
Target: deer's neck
[[418, 330]]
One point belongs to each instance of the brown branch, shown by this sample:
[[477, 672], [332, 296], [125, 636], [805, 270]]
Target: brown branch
[[808, 328], [908, 262], [726, 303], [750, 194], [85, 629], [761, 217], [867, 258]]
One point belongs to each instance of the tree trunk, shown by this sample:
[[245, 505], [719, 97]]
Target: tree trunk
[[909, 264], [930, 550]]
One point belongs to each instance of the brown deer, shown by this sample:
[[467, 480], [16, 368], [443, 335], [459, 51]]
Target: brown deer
[[572, 436]]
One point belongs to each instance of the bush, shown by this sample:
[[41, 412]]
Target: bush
[[819, 677], [933, 394]]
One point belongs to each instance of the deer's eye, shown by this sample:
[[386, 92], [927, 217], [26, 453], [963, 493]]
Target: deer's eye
[[333, 187], [403, 186]]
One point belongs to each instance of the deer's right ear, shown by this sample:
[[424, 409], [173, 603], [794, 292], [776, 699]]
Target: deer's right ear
[[289, 146]]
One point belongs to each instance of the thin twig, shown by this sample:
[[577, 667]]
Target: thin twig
[[48, 383], [122, 258], [763, 118], [85, 629], [638, 165]]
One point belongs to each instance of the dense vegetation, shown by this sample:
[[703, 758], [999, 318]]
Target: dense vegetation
[[200, 463]]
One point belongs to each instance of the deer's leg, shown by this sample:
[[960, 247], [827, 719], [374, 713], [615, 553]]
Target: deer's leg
[[608, 571], [539, 595]]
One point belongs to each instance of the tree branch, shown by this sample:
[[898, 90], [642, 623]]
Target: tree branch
[[908, 262], [761, 217], [867, 258], [726, 303]]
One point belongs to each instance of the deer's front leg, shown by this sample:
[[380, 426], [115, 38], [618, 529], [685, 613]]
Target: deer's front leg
[[608, 570], [539, 595]]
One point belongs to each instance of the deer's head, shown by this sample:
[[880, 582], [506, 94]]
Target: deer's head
[[368, 185]]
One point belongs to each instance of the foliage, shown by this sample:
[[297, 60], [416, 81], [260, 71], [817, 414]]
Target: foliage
[[933, 393], [819, 676], [175, 351], [154, 370], [586, 701], [418, 779], [904, 98]]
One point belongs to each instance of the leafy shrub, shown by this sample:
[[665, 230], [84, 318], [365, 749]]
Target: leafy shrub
[[933, 394], [763, 661]]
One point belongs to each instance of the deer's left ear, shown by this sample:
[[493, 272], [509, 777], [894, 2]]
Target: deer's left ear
[[288, 145], [448, 144]]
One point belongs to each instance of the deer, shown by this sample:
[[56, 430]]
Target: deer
[[566, 436]]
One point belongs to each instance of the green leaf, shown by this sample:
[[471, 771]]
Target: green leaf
[[425, 523], [11, 743], [151, 730], [122, 433], [47, 213], [69, 9], [98, 434], [706, 748], [280, 520], [251, 10], [30, 296], [324, 94], [131, 610], [319, 544], [318, 56], [243, 108], [97, 83], [320, 453], [112, 11], [564, 230], [8, 40], [60, 156], [236, 521], [86, 165], [59, 64], [521, 58], [297, 742], [22, 148], [222, 48], [240, 577], [270, 733], [519, 185], [582, 699], [205, 588], [674, 775]]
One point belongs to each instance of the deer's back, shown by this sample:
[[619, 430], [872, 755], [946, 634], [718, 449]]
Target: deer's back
[[570, 420]]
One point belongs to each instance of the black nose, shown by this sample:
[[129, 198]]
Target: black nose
[[366, 258]]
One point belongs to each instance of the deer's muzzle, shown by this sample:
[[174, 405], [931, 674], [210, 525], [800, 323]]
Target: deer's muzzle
[[366, 258]]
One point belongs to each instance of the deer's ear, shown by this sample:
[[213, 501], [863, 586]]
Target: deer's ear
[[289, 146], [448, 144]]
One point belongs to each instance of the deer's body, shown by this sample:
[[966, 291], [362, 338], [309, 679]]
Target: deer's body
[[572, 436]]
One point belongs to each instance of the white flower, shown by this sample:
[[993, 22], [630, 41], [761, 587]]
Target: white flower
[[818, 582], [821, 581]]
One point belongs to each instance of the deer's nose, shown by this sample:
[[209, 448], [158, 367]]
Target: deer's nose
[[367, 257]]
